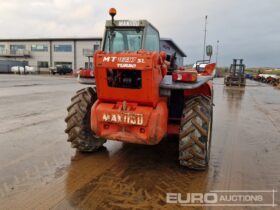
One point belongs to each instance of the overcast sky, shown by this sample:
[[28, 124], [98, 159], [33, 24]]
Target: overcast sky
[[248, 29]]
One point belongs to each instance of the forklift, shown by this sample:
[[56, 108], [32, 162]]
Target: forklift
[[236, 76]]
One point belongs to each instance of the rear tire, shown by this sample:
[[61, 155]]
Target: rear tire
[[195, 133], [78, 122]]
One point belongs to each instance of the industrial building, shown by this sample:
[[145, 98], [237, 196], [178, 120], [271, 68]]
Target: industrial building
[[44, 53], [48, 52]]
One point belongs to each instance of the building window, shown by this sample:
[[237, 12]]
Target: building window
[[151, 40], [2, 49], [63, 48], [39, 48], [95, 47], [88, 52], [17, 47], [123, 40], [43, 64], [88, 66]]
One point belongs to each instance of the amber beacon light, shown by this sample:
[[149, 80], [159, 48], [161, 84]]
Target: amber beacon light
[[112, 12]]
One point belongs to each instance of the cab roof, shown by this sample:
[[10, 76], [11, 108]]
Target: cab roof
[[127, 23]]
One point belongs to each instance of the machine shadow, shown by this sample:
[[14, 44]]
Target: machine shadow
[[141, 176]]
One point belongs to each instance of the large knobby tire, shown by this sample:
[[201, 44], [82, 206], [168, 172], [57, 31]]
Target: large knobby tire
[[78, 121], [195, 133]]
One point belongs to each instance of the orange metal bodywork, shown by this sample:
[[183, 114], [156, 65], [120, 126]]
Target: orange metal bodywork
[[147, 62], [87, 73], [207, 88], [109, 119], [208, 70], [149, 130], [134, 115]]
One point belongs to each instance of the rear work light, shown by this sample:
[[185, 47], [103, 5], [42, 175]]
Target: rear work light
[[187, 75]]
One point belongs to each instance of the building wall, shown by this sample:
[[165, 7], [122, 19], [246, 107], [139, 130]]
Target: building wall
[[76, 57], [35, 56], [58, 57], [38, 56], [81, 47], [170, 50]]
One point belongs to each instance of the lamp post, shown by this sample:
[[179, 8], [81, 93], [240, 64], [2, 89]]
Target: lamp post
[[204, 43], [217, 52]]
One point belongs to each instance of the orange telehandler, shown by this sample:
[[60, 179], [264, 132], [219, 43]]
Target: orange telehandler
[[140, 97]]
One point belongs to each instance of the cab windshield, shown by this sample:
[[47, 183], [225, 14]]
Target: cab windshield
[[119, 40]]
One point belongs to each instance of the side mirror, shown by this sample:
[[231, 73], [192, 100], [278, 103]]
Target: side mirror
[[209, 50]]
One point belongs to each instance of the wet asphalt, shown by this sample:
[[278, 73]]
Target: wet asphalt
[[39, 169]]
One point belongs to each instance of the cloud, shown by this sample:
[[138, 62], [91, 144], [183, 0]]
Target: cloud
[[246, 29]]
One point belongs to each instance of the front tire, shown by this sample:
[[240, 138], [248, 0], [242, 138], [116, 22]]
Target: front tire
[[196, 132], [78, 122]]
